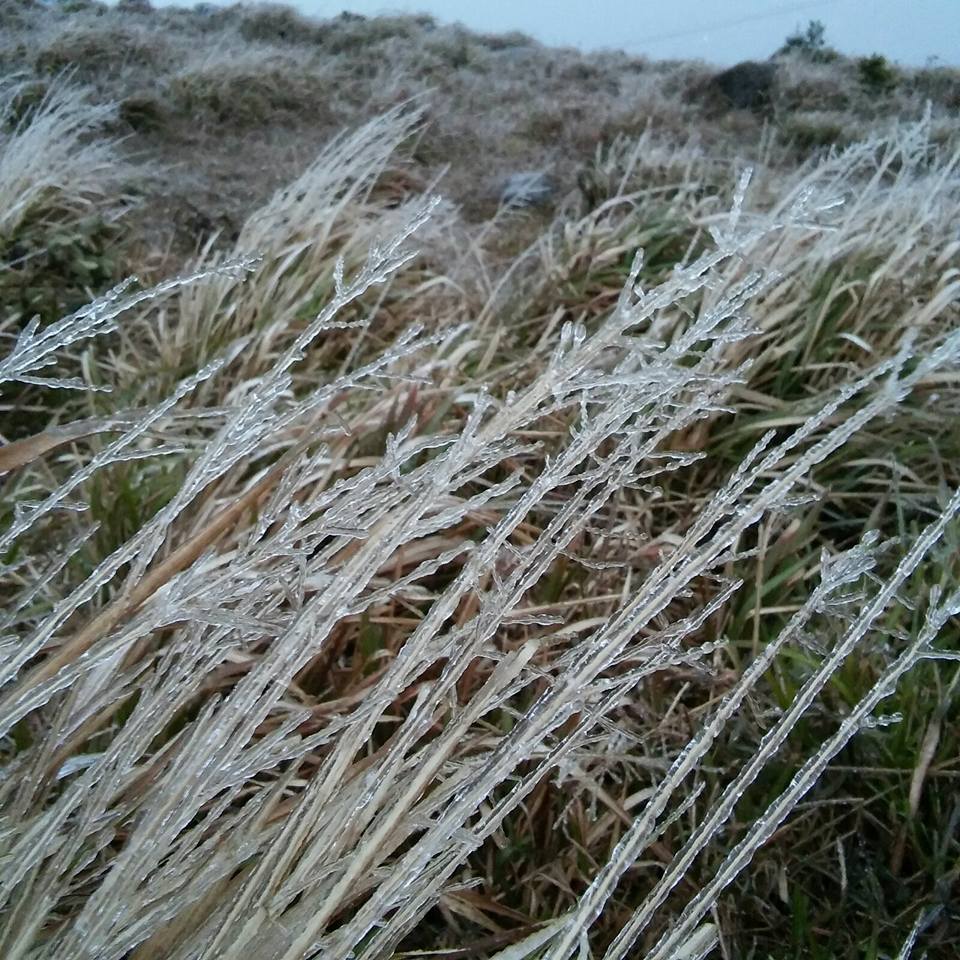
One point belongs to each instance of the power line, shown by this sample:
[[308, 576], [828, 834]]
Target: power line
[[738, 21]]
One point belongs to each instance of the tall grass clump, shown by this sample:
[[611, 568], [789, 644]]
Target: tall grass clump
[[55, 162], [64, 184], [338, 563]]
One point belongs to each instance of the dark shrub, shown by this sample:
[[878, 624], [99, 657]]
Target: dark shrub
[[876, 75], [748, 85], [810, 44]]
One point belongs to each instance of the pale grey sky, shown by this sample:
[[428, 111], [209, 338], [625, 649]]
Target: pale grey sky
[[722, 31]]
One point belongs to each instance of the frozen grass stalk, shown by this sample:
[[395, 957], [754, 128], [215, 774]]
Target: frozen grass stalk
[[286, 715]]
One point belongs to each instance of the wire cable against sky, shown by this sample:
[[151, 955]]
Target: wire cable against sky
[[736, 22]]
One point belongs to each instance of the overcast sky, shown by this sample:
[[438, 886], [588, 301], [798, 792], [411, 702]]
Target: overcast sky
[[722, 31]]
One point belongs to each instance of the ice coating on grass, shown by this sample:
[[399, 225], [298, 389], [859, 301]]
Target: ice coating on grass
[[274, 814]]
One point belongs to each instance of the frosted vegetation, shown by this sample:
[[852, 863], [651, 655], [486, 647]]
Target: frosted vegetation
[[287, 710]]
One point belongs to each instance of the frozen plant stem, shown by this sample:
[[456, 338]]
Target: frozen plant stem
[[775, 738]]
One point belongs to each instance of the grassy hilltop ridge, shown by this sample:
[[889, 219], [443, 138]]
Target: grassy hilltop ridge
[[236, 100], [395, 567]]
